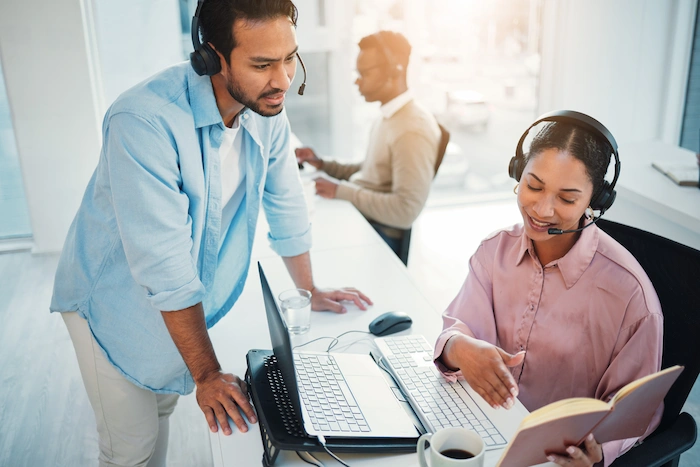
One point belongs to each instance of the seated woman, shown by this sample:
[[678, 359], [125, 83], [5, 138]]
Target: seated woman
[[546, 315]]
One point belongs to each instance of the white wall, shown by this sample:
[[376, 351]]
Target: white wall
[[624, 62], [136, 39], [54, 96], [56, 55]]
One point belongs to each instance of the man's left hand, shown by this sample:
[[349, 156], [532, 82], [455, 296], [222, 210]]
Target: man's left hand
[[326, 187], [587, 455], [329, 299]]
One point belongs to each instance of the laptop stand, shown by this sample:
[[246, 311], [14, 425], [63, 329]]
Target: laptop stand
[[282, 429]]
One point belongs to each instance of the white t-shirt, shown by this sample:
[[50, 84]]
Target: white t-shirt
[[232, 173]]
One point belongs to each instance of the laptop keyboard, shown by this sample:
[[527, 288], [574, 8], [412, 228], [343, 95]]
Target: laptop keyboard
[[443, 404], [326, 395]]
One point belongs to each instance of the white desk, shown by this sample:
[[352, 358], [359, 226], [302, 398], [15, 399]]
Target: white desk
[[649, 200], [352, 255]]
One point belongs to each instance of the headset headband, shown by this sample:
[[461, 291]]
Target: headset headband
[[607, 194]]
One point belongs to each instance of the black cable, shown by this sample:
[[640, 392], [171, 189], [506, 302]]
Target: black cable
[[322, 440]]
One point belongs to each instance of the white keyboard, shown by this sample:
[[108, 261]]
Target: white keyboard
[[328, 400], [437, 402]]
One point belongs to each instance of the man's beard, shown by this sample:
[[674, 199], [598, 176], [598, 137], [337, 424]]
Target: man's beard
[[253, 104]]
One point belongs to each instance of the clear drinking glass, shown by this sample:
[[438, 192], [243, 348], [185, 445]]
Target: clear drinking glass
[[296, 309]]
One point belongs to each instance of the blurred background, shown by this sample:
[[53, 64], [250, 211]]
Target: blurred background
[[485, 68]]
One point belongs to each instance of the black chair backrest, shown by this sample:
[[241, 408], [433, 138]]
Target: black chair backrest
[[674, 269], [442, 147]]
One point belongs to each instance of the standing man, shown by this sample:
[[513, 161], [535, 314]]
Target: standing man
[[391, 185], [160, 247]]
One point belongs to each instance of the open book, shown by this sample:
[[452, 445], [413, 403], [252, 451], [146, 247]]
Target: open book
[[682, 173], [553, 427]]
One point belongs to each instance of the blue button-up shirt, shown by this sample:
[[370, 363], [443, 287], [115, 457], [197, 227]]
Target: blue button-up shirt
[[148, 236]]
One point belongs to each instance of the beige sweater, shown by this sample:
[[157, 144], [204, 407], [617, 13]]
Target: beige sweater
[[391, 185]]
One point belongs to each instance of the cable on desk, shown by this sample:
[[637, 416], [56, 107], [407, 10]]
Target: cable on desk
[[322, 440], [318, 463], [334, 340]]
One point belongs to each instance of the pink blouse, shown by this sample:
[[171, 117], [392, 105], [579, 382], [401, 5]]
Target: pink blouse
[[590, 321]]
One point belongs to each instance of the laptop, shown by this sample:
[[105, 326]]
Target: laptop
[[347, 396], [333, 390]]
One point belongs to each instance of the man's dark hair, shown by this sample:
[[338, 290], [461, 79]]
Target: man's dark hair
[[216, 19], [586, 146], [389, 42]]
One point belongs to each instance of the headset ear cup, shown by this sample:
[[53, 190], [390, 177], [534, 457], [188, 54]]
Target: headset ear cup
[[212, 60], [514, 168], [198, 64], [205, 61], [605, 198]]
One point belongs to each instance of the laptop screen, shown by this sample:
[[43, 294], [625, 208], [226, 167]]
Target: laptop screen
[[281, 345]]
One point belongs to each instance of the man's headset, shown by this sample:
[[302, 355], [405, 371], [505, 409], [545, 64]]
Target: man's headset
[[204, 60], [606, 196], [393, 66]]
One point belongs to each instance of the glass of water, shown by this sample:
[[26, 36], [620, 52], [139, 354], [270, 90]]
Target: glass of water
[[296, 309]]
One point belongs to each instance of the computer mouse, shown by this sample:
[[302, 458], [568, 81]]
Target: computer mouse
[[389, 323]]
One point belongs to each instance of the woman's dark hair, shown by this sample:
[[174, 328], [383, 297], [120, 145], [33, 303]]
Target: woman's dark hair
[[216, 19], [582, 144]]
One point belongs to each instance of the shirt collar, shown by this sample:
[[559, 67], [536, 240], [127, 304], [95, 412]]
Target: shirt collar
[[394, 105], [202, 100], [575, 262]]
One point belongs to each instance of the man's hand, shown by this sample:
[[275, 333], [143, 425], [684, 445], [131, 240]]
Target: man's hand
[[327, 299], [308, 155], [589, 454], [326, 187], [485, 367], [219, 394]]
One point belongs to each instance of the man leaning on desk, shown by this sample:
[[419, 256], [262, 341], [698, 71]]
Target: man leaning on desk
[[391, 186], [161, 244]]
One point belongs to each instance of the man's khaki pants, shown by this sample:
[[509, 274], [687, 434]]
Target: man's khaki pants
[[132, 422]]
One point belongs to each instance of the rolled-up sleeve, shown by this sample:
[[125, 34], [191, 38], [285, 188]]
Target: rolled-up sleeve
[[283, 199], [152, 212], [470, 313]]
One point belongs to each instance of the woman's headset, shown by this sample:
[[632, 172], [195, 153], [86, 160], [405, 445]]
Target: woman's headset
[[606, 196], [204, 60]]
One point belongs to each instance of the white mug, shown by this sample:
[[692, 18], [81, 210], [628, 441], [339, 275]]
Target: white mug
[[450, 447]]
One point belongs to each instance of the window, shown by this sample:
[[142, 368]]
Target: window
[[13, 205]]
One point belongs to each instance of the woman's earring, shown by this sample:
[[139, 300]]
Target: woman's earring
[[589, 213], [515, 188]]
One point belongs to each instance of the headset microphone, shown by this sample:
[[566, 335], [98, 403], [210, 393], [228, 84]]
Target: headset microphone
[[560, 231], [303, 68]]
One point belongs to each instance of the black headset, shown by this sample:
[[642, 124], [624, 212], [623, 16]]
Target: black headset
[[394, 67], [606, 196], [204, 60]]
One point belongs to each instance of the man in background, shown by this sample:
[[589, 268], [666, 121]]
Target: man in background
[[391, 185]]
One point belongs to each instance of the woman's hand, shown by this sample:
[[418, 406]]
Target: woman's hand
[[485, 367], [587, 455]]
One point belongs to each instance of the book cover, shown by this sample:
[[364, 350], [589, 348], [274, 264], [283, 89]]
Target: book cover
[[567, 422]]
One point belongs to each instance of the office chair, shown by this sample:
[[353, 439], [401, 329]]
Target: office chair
[[674, 270], [405, 239]]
